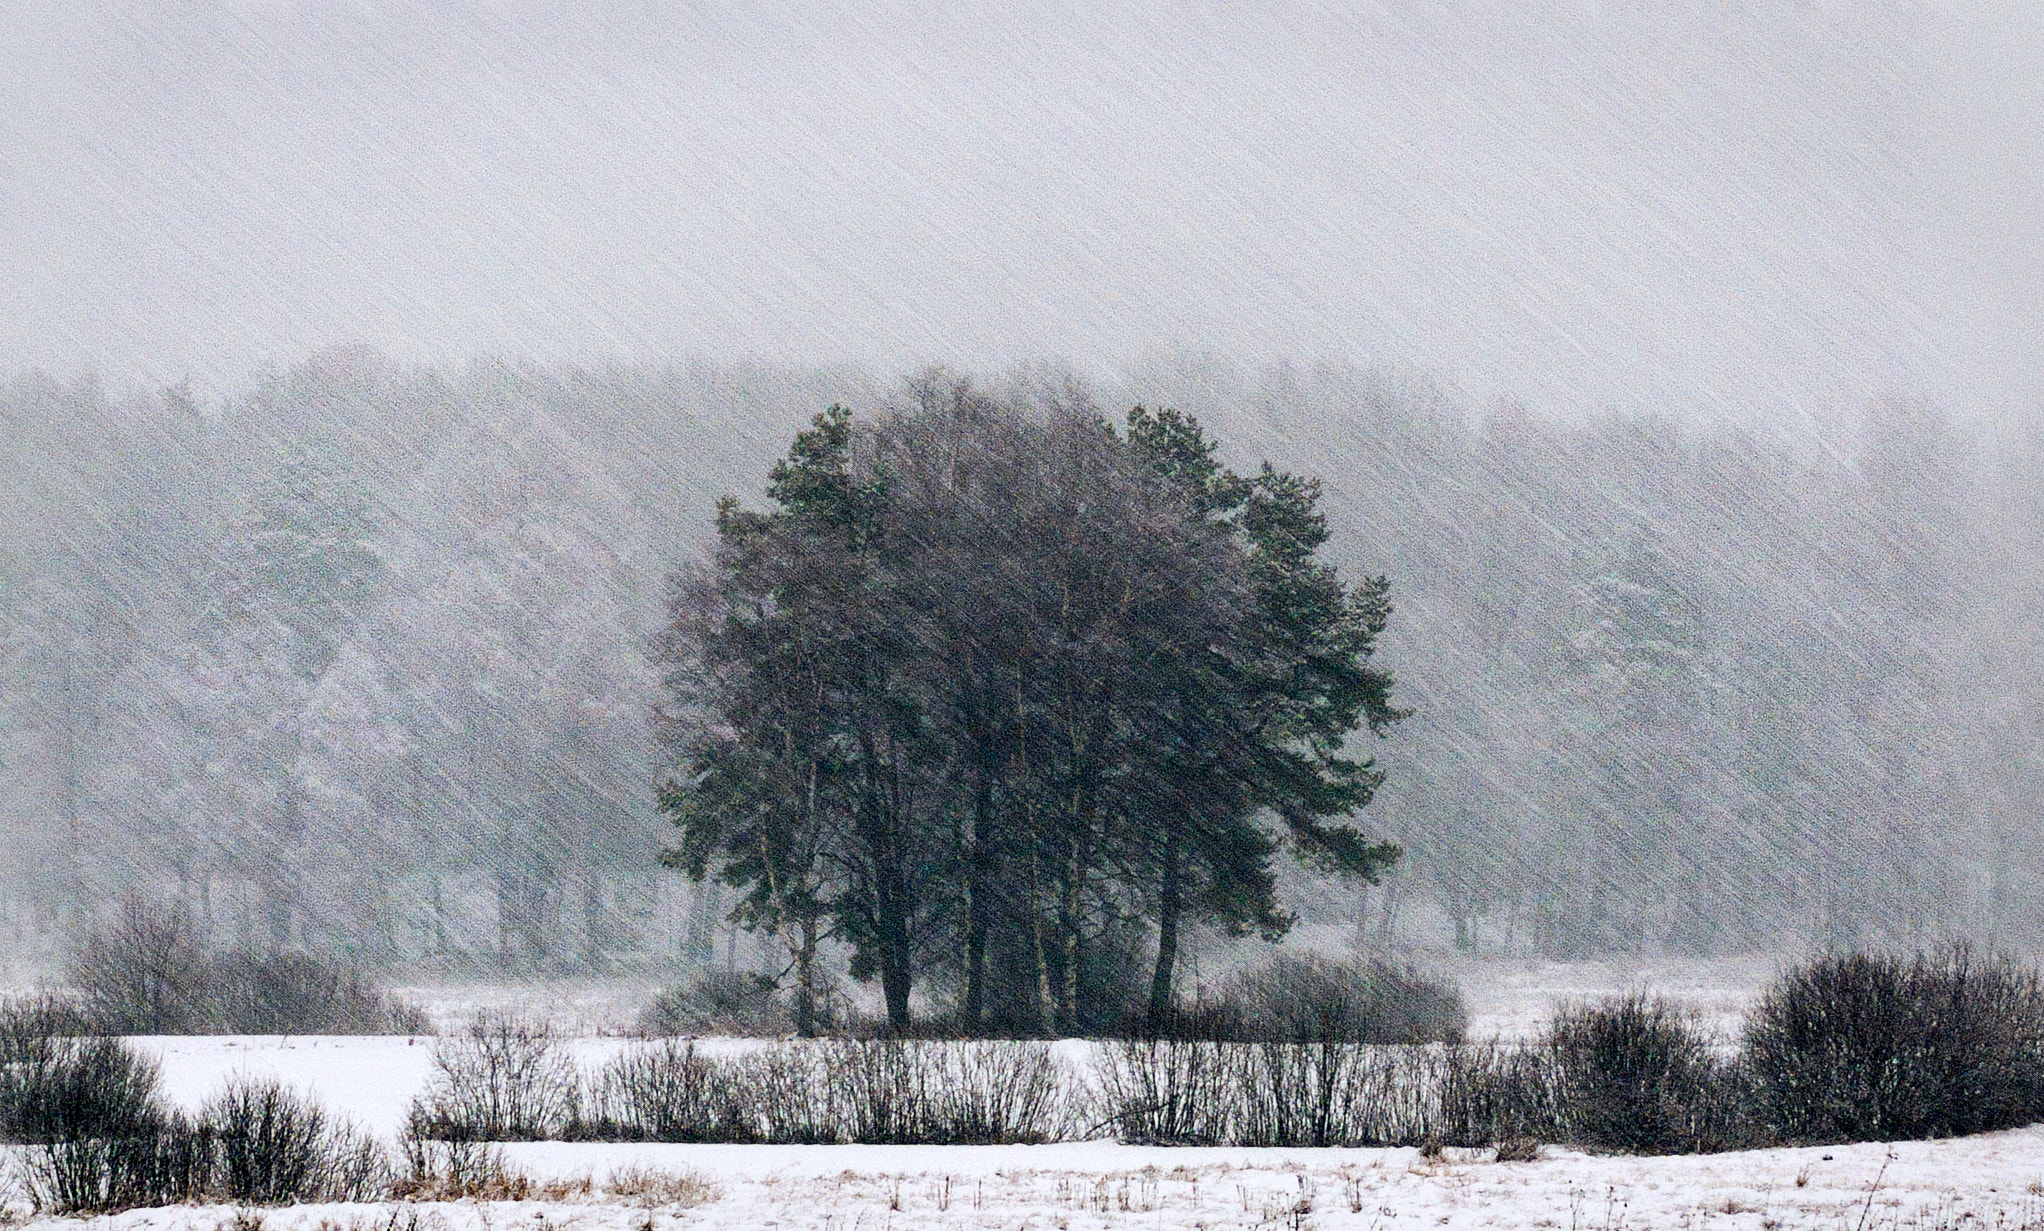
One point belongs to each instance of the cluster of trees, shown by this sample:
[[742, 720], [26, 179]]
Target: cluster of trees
[[992, 691], [357, 659], [1688, 689]]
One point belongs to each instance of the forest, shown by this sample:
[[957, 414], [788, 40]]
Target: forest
[[378, 661]]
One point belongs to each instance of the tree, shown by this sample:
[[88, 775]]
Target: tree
[[989, 680], [1262, 717]]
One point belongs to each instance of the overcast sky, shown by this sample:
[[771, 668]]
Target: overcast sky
[[1739, 209]]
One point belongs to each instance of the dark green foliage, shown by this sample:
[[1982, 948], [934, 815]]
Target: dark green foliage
[[1866, 1047], [1004, 683]]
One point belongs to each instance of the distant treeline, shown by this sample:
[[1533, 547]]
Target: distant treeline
[[359, 658]]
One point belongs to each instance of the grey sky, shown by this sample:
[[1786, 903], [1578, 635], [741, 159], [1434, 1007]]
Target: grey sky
[[1768, 209]]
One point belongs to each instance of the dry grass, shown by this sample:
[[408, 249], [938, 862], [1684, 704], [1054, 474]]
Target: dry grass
[[640, 1184]]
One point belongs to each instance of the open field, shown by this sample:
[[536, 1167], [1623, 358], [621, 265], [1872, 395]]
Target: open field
[[1988, 1181], [1984, 1182], [1991, 1181]]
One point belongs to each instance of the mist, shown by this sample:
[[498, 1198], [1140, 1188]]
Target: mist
[[370, 371], [1763, 214]]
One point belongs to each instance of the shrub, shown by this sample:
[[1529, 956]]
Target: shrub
[[1166, 1092], [144, 973], [147, 973], [166, 1161], [1493, 1093], [65, 1089], [40, 1016], [1634, 1073], [982, 1093], [643, 1185], [1310, 999], [664, 1091], [275, 1146], [730, 1002], [503, 1079], [291, 993], [94, 1134], [1865, 1047], [455, 1170]]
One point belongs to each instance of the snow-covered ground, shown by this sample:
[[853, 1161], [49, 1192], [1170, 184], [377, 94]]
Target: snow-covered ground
[[1984, 1182], [1508, 997], [1990, 1181], [1511, 998], [1995, 1181]]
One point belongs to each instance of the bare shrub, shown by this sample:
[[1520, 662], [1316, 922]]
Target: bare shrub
[[730, 1002], [1305, 998], [456, 1169], [163, 1162], [664, 1091], [502, 1079], [1866, 1047], [64, 1089], [293, 993], [144, 973], [42, 1015], [1163, 1092], [1332, 1094], [94, 1135], [276, 1146], [1518, 1150], [1490, 1092], [902, 1092], [1634, 1073], [786, 1091]]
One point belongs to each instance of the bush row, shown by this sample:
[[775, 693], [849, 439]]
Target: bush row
[[1851, 1047], [1290, 998], [1847, 1048], [146, 972], [94, 1134], [505, 1080]]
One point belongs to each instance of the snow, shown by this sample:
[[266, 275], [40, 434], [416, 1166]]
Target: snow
[[1987, 1181], [1991, 1180]]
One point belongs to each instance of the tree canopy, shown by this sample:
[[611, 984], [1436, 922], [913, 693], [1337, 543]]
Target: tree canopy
[[994, 692]]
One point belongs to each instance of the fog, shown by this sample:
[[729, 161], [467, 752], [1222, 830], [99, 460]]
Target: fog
[[369, 368], [1770, 211]]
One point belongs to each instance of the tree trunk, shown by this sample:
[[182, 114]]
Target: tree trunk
[[1168, 906], [1045, 1003], [883, 808], [1068, 927], [977, 913], [805, 980], [439, 918], [593, 923]]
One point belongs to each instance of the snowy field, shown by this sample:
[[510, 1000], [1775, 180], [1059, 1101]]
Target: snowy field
[[1508, 997], [1985, 1182]]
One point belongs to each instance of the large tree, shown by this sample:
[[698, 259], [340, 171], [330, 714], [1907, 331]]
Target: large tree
[[994, 681]]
